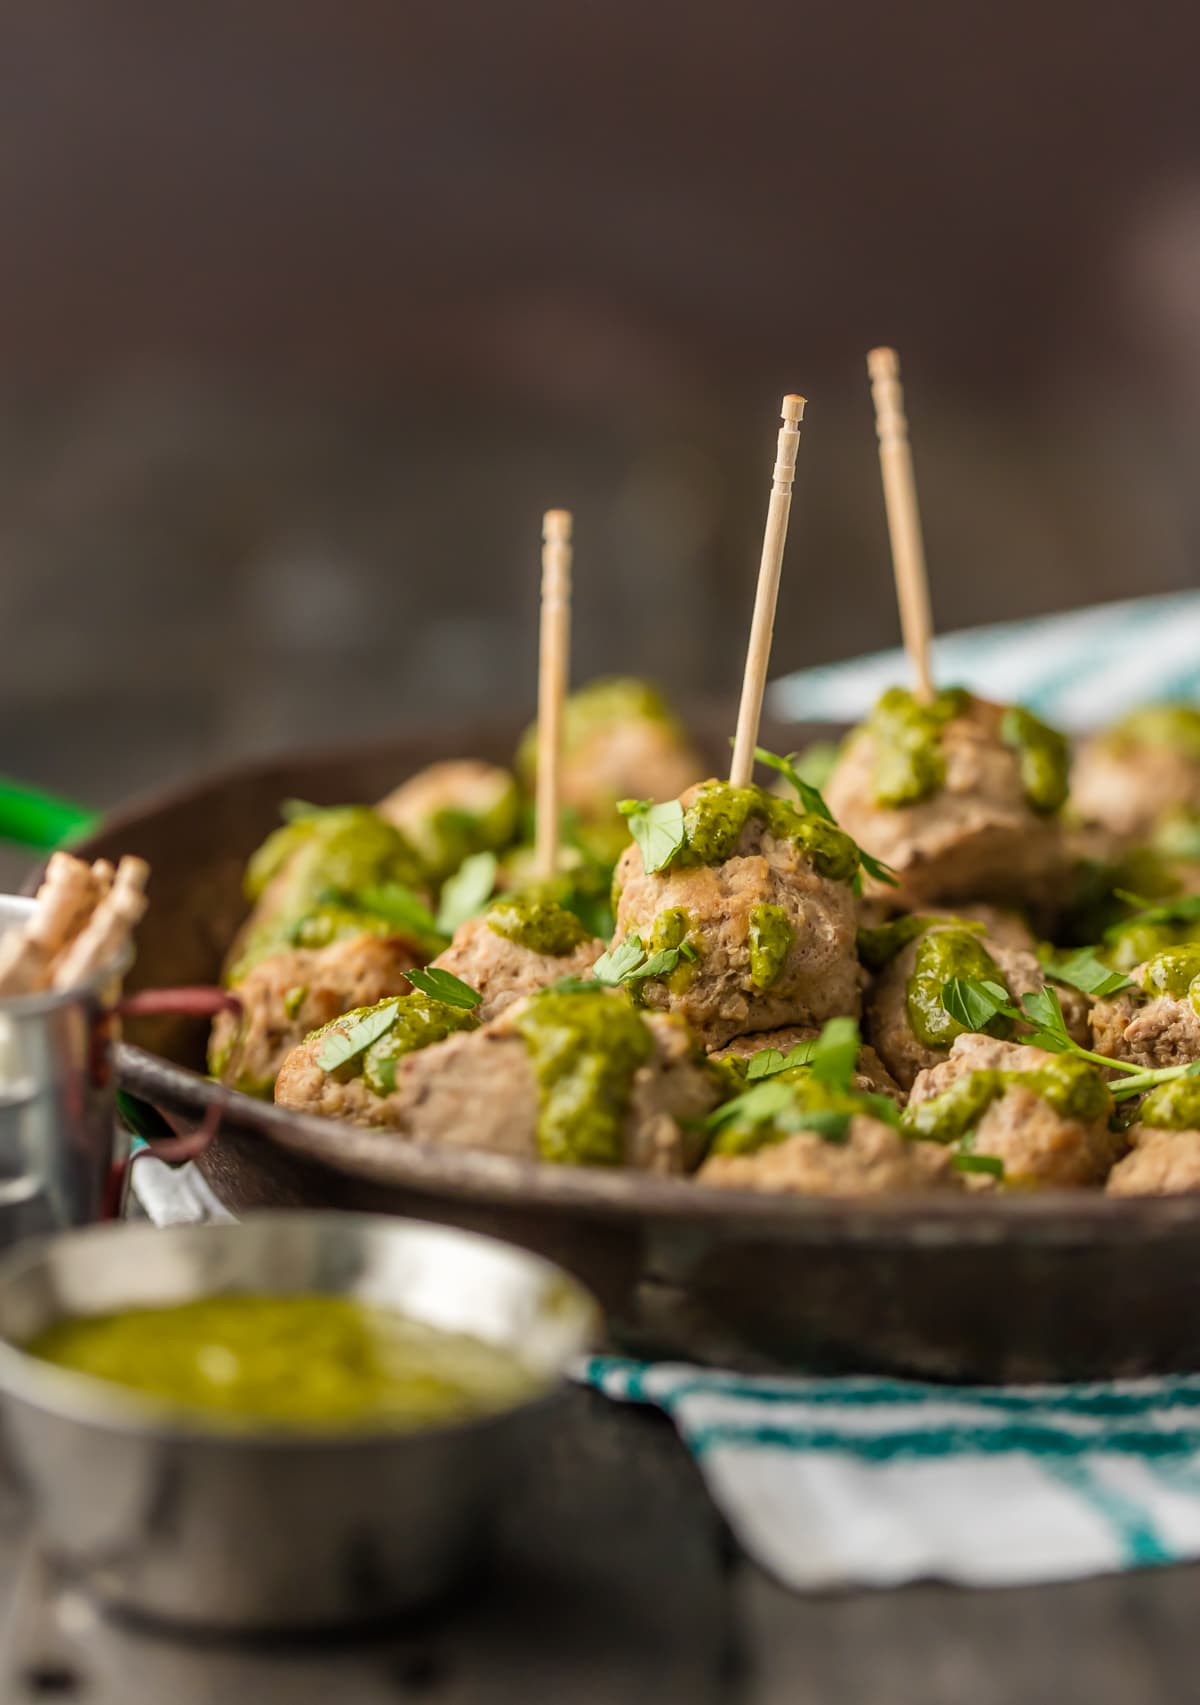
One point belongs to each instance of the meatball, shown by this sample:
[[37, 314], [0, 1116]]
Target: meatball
[[324, 865], [960, 798], [872, 1160], [905, 1019], [1148, 765], [512, 951], [1155, 1023], [564, 1076], [289, 993], [620, 741], [762, 897], [871, 1076], [1044, 1116], [1161, 1163], [451, 810]]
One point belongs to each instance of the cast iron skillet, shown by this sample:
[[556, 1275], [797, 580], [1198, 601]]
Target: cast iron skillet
[[1057, 1285]]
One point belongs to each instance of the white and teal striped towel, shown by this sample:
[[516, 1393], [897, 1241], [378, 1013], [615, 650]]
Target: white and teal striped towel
[[872, 1482], [1078, 670]]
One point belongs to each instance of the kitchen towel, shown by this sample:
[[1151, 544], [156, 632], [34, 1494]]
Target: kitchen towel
[[874, 1482], [1078, 670]]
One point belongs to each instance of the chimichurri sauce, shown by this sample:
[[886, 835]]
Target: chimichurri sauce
[[309, 1363]]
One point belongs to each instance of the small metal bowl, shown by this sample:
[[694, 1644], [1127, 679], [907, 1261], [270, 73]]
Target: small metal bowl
[[271, 1531]]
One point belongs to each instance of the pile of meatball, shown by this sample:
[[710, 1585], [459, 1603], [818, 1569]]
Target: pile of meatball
[[662, 1004]]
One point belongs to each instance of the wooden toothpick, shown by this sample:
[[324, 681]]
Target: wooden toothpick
[[553, 665], [903, 516], [762, 626]]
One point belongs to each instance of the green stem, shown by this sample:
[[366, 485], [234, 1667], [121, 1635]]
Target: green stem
[[1144, 1079]]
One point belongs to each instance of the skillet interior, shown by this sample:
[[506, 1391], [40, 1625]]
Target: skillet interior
[[1059, 1285]]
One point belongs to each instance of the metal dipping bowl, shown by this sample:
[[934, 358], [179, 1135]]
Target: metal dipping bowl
[[261, 1531]]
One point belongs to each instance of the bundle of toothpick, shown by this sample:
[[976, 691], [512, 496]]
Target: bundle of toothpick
[[83, 919]]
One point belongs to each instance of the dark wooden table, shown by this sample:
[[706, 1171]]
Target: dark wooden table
[[616, 1583]]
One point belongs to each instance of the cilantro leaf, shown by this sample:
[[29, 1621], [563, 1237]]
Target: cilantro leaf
[[769, 1062], [465, 894], [973, 1002], [1083, 970], [444, 986], [657, 829], [341, 1046]]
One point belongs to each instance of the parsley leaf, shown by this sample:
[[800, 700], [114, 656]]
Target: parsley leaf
[[630, 963], [341, 1046], [835, 1053], [833, 1127], [466, 893], [989, 1164], [444, 986], [1082, 970], [1044, 1011], [1181, 911], [572, 986], [753, 1107], [973, 1002], [618, 964], [401, 908], [657, 829], [769, 1062]]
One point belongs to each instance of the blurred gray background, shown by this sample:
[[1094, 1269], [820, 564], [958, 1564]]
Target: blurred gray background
[[308, 310]]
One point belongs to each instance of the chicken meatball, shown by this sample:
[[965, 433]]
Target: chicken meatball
[[1016, 1116], [1146, 766], [759, 899], [872, 1159], [454, 809], [916, 957], [871, 1076], [1157, 1021], [287, 994], [519, 945], [620, 741], [567, 1076], [1160, 1163], [960, 797], [326, 864]]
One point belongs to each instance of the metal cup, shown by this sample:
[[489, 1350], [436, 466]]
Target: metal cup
[[62, 1161]]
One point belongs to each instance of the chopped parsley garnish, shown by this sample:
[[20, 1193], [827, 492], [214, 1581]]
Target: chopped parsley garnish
[[657, 829], [814, 802], [465, 894], [444, 986]]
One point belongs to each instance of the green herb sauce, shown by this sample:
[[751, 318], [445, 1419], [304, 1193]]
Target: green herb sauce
[[418, 1021], [943, 954], [1175, 972], [906, 740], [1173, 1106], [1043, 758], [670, 929], [879, 946], [585, 1050], [807, 1095], [1174, 725], [1072, 1087], [718, 813], [770, 936], [310, 1363], [535, 922]]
